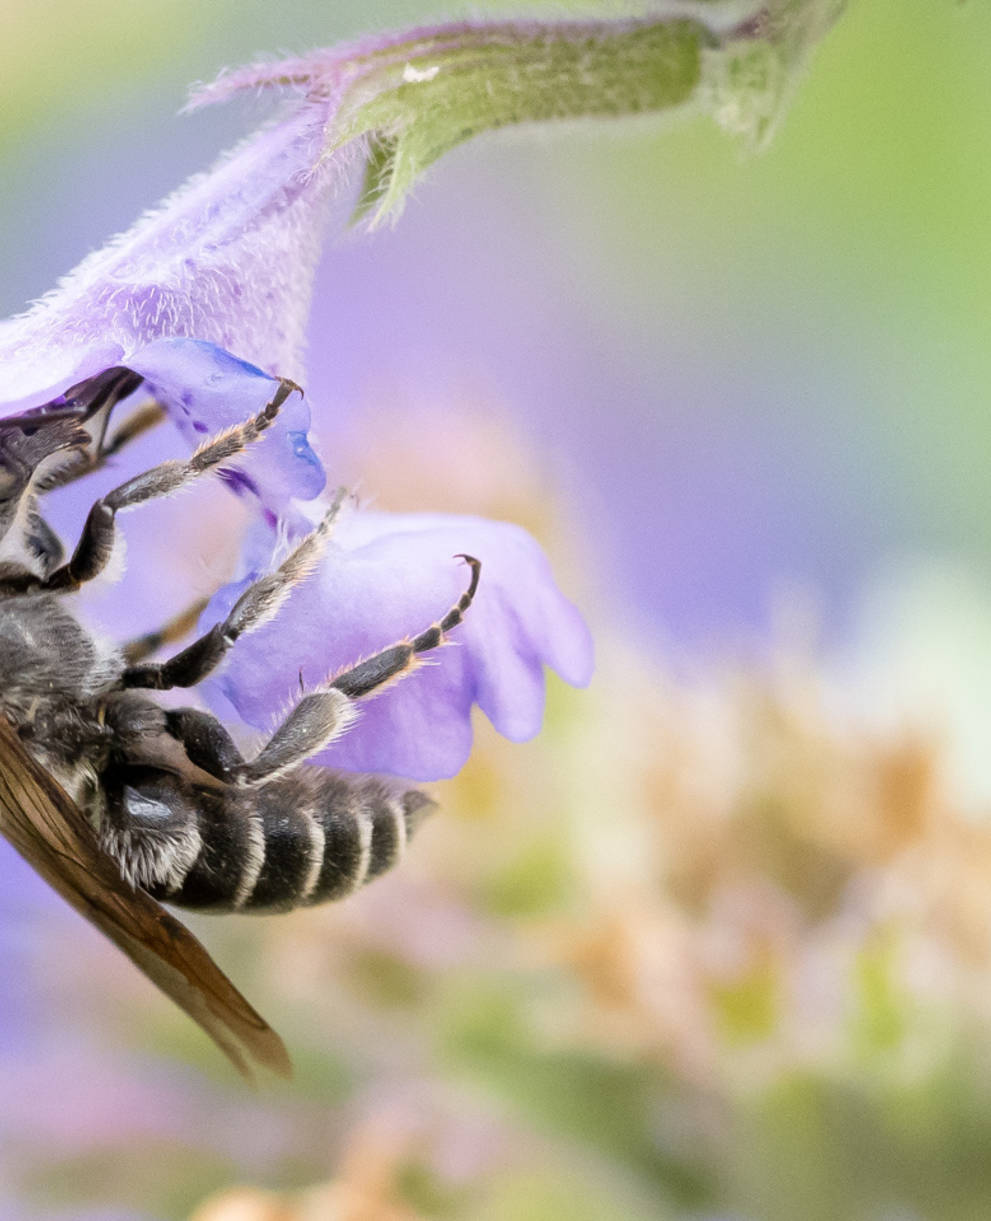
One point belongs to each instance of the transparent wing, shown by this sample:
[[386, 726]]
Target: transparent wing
[[45, 827]]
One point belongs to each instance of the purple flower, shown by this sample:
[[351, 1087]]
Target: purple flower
[[385, 577], [206, 300]]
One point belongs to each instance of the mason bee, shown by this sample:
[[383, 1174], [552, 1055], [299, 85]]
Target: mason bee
[[121, 803]]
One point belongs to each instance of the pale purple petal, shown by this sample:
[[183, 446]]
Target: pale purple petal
[[207, 390], [386, 577], [230, 257]]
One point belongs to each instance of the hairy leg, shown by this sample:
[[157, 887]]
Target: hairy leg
[[400, 658], [260, 602], [99, 533], [322, 715], [207, 743], [173, 629]]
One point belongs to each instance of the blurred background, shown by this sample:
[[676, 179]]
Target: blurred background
[[717, 944]]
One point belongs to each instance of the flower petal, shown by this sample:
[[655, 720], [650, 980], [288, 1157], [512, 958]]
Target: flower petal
[[207, 390], [385, 578]]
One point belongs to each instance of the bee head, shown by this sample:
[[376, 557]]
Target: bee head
[[32, 445]]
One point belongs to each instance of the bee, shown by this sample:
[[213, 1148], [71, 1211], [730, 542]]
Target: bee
[[121, 803]]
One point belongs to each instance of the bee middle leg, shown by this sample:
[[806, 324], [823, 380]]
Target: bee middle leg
[[259, 603]]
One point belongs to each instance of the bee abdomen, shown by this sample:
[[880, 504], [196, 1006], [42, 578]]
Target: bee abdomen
[[307, 837]]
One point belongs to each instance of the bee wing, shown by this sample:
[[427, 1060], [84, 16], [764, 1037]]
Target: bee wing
[[45, 827]]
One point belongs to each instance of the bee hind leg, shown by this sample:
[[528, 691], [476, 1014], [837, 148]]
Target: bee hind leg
[[207, 743], [319, 716], [399, 659], [322, 715]]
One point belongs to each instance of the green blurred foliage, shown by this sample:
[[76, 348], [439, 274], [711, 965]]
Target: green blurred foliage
[[844, 256]]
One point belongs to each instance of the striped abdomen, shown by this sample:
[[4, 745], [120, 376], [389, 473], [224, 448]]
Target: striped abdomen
[[307, 837]]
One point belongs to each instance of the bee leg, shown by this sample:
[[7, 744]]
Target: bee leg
[[322, 715], [99, 533], [257, 605], [44, 542], [314, 722], [397, 660], [207, 743], [138, 422], [173, 629]]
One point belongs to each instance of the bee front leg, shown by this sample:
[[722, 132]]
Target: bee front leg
[[44, 542], [100, 532], [140, 647]]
